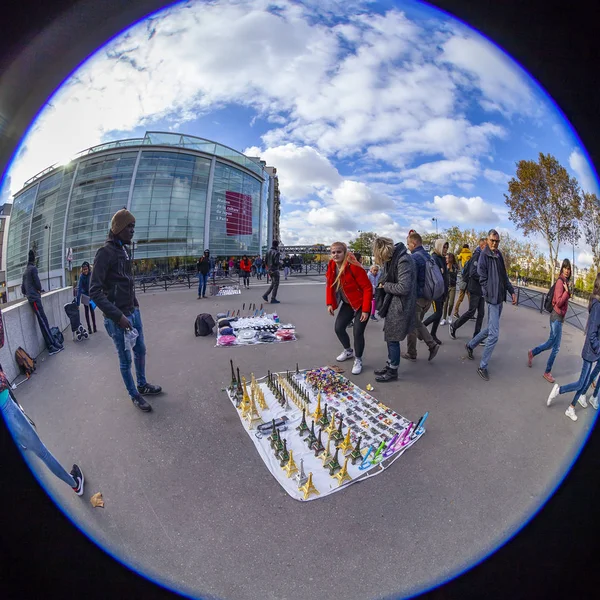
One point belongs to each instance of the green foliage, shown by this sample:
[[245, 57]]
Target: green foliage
[[544, 199], [591, 225], [363, 243]]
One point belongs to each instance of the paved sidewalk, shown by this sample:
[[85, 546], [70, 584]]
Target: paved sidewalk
[[190, 502]]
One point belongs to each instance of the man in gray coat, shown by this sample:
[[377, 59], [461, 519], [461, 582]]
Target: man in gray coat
[[398, 290]]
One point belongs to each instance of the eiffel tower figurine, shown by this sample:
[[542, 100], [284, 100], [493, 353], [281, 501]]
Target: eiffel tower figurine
[[238, 390], [233, 384], [245, 405], [318, 445], [333, 464], [290, 466], [297, 369], [346, 444], [283, 455], [326, 455], [330, 429], [252, 413], [356, 454], [274, 434], [312, 438], [338, 436], [303, 427], [324, 420], [309, 488], [343, 476], [300, 476], [279, 445], [317, 414]]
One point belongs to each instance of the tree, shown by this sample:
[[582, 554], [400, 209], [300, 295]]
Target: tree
[[591, 225], [363, 243], [544, 199]]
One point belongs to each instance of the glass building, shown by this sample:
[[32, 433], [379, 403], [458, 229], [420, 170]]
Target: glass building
[[186, 194]]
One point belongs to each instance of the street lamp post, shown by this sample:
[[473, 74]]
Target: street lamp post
[[49, 228], [436, 224]]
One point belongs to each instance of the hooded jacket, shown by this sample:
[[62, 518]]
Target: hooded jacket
[[355, 284], [112, 287], [83, 287], [420, 255], [464, 256], [492, 276], [31, 286], [272, 260], [591, 347], [203, 265]]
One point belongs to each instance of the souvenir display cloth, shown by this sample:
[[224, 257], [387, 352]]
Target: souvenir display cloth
[[250, 330], [384, 434]]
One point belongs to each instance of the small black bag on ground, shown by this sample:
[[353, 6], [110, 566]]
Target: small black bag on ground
[[204, 324], [57, 335], [25, 362]]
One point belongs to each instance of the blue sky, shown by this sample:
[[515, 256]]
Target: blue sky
[[377, 115]]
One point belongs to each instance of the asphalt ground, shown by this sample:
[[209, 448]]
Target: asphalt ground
[[189, 502]]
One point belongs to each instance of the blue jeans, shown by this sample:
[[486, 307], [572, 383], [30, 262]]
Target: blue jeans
[[553, 342], [139, 352], [393, 354], [581, 384], [492, 331], [202, 281], [27, 438], [595, 372]]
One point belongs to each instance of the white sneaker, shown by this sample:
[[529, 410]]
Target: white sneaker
[[357, 367], [443, 322], [553, 394], [594, 402], [449, 320], [345, 355], [570, 412], [582, 401]]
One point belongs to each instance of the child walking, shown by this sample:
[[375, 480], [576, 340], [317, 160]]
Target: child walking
[[374, 276]]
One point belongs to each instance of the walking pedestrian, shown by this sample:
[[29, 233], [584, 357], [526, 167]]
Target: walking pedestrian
[[348, 288], [420, 256], [83, 289], [463, 258], [272, 262], [113, 291], [374, 276], [452, 278], [560, 305], [27, 438], [494, 285], [245, 266], [439, 255], [258, 263], [31, 287], [397, 300], [590, 354], [203, 268], [287, 263], [476, 300]]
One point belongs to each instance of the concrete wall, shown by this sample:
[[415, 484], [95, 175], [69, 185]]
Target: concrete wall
[[21, 328]]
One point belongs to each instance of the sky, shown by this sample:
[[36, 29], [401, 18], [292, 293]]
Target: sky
[[378, 116]]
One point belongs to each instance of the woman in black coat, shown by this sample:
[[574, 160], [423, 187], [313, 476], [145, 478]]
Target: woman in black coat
[[439, 255]]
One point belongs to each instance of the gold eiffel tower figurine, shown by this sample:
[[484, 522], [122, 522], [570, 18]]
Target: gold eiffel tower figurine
[[290, 467], [332, 426], [345, 445], [326, 456], [343, 476], [318, 412], [246, 404], [309, 488], [252, 414]]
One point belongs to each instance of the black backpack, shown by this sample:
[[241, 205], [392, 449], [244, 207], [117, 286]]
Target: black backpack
[[548, 302], [465, 274], [57, 335], [204, 324]]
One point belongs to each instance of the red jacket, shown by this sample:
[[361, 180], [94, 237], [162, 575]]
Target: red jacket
[[355, 284], [560, 301], [245, 265]]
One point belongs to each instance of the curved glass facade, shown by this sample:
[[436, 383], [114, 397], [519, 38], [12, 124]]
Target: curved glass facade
[[186, 193]]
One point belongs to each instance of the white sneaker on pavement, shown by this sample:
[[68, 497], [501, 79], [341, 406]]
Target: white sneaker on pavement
[[357, 367], [570, 412], [582, 401], [345, 355], [553, 394], [443, 322], [594, 402]]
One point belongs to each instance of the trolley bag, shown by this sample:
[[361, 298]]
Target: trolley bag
[[72, 311], [25, 362]]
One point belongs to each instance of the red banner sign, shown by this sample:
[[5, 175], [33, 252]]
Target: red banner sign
[[238, 213]]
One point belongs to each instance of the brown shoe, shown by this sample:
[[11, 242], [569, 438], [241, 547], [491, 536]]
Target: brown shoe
[[548, 377], [530, 360], [407, 356]]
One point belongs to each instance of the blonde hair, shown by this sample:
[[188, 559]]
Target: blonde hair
[[348, 258], [383, 249], [439, 246]]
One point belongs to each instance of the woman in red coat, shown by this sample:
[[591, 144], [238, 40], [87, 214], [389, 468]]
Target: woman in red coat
[[349, 288], [245, 267]]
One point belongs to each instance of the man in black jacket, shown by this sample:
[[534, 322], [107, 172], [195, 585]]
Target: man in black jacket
[[494, 285], [476, 301], [203, 265], [113, 291], [272, 261], [32, 289]]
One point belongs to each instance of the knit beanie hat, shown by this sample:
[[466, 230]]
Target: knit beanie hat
[[31, 256], [120, 220]]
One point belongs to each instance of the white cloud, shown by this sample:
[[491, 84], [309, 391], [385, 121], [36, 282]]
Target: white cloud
[[358, 198], [585, 259], [584, 172], [465, 210], [498, 177], [441, 172]]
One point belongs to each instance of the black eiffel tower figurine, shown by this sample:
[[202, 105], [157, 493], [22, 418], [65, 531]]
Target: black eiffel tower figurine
[[233, 384], [324, 420], [312, 438], [284, 455], [338, 436], [303, 427], [318, 445], [333, 465], [356, 454]]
